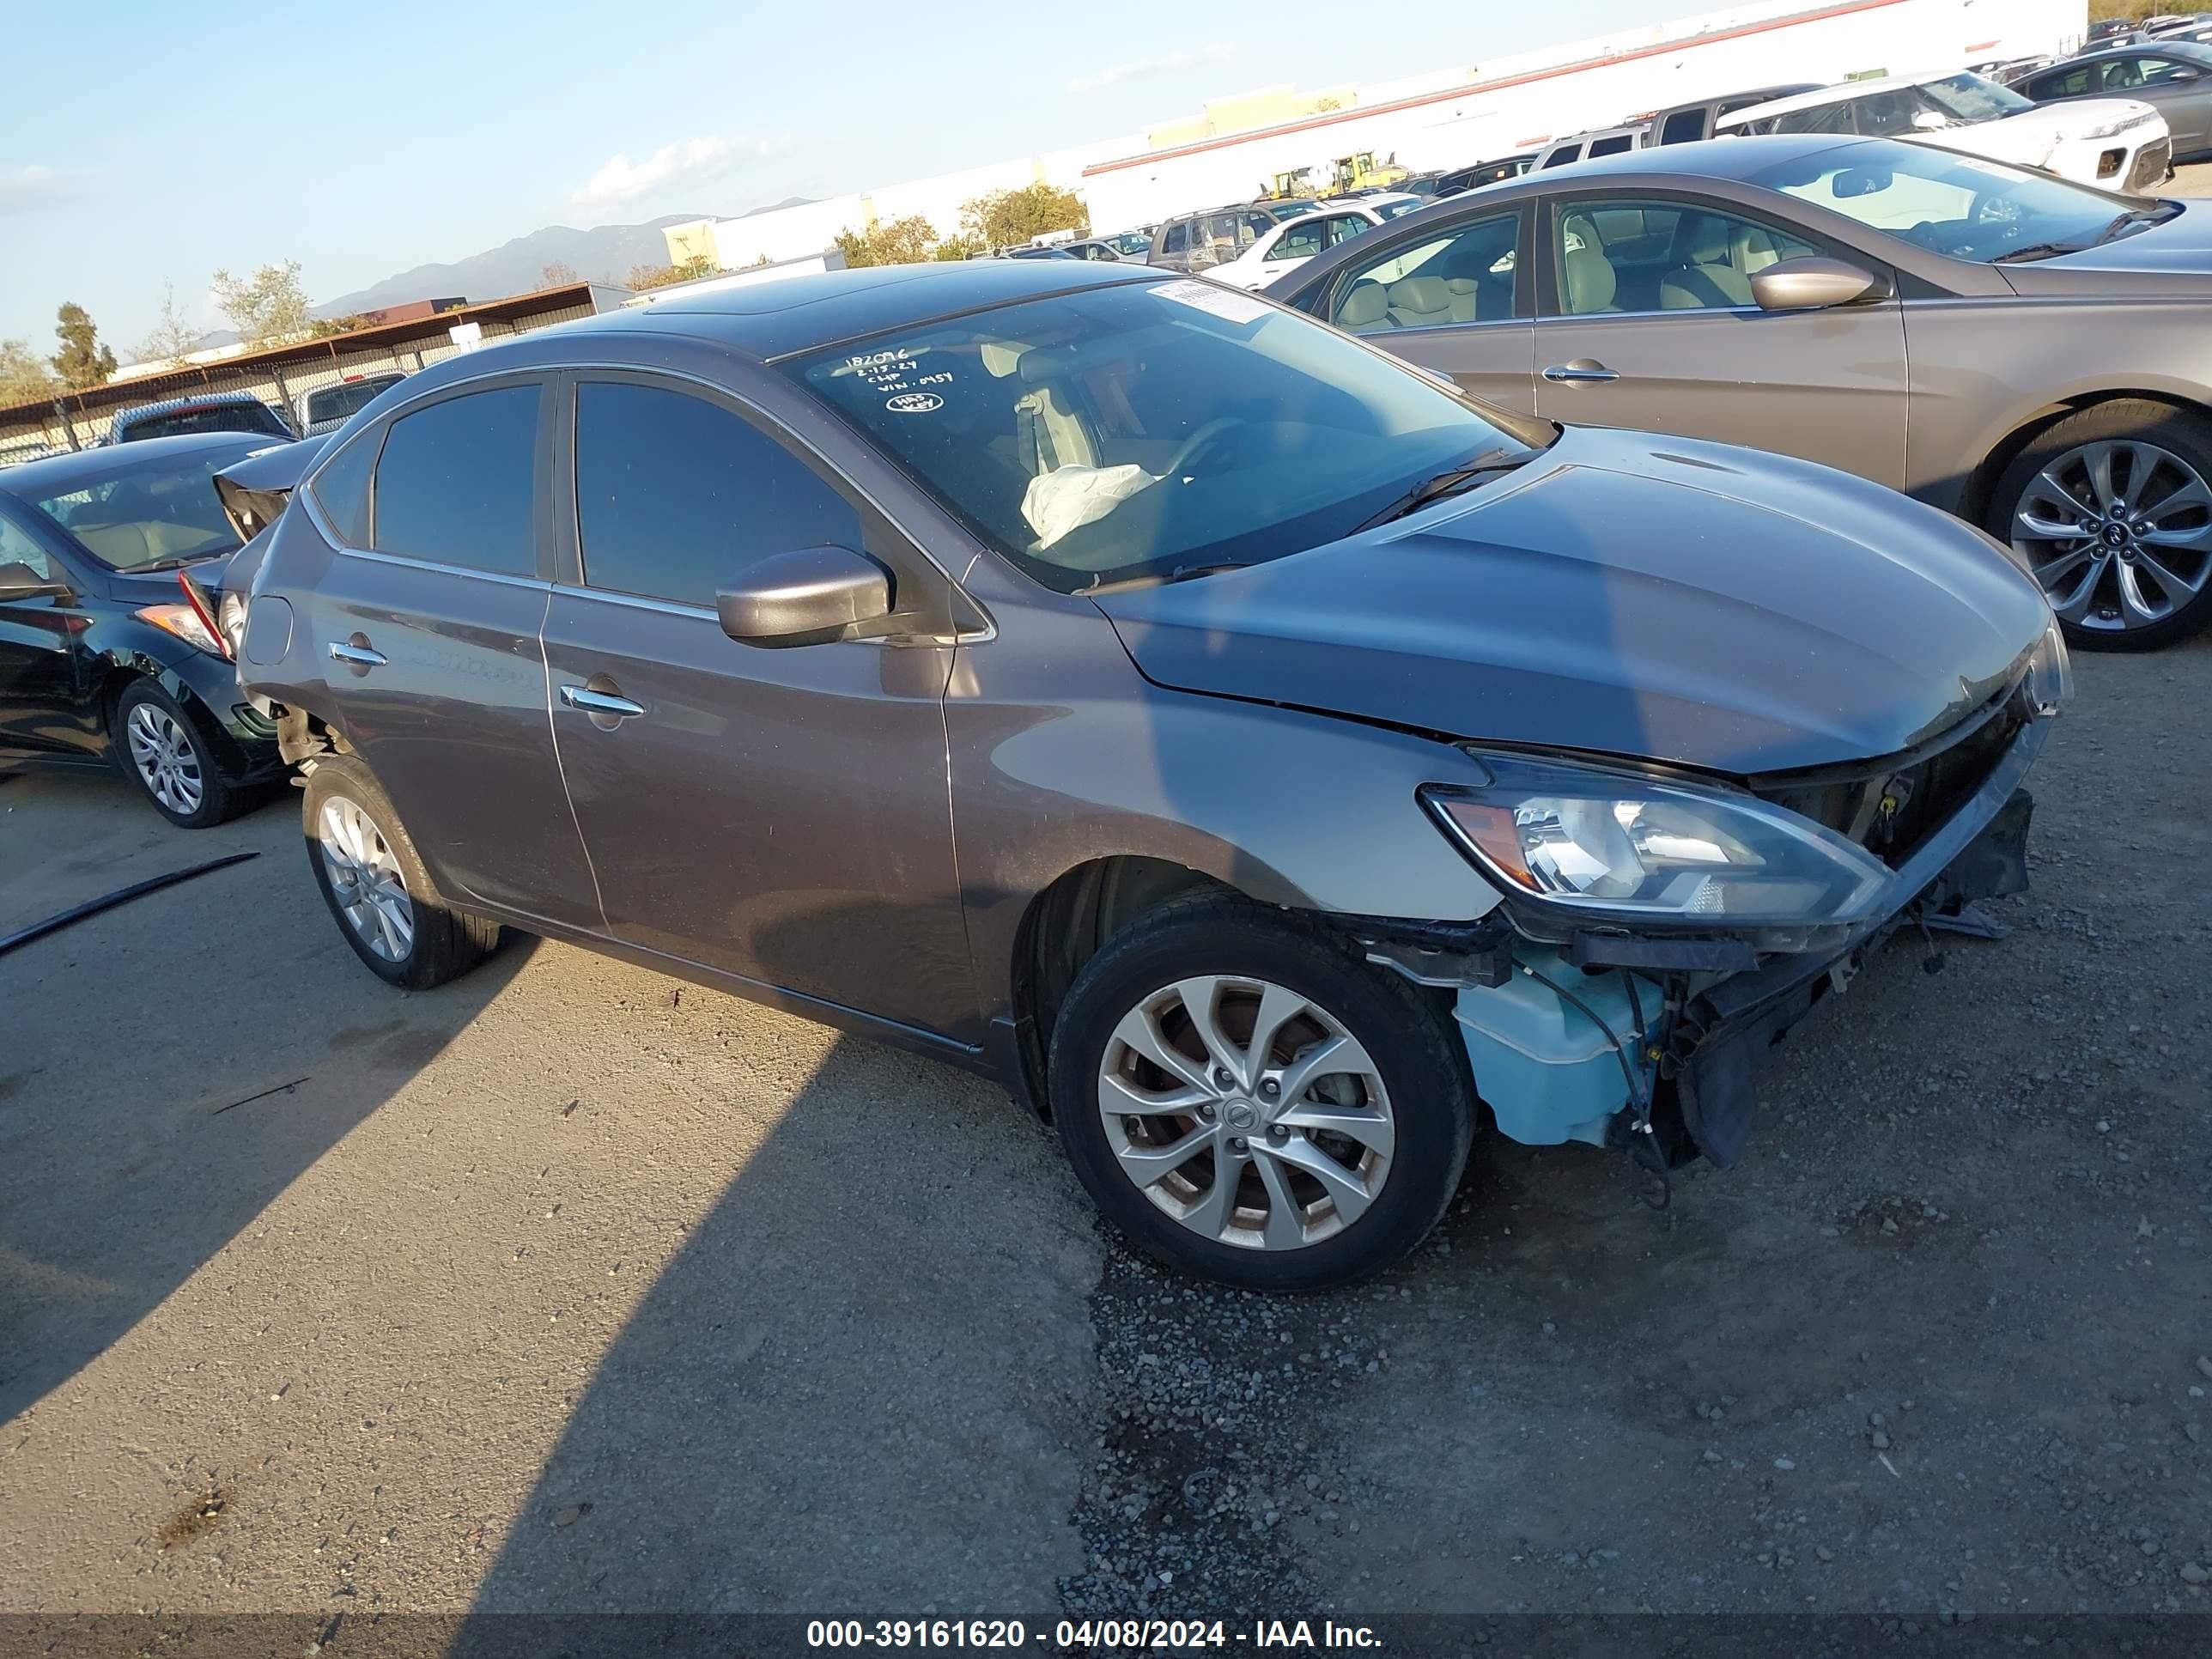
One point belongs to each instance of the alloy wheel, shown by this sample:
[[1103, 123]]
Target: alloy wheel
[[366, 879], [165, 759], [1246, 1111], [2119, 533]]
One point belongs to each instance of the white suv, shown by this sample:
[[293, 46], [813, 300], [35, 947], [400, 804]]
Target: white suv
[[2115, 142]]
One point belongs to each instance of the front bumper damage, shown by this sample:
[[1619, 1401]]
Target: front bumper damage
[[1603, 1038]]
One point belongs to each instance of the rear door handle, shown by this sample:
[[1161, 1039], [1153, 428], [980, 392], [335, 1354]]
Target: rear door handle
[[600, 702], [356, 653], [1582, 369]]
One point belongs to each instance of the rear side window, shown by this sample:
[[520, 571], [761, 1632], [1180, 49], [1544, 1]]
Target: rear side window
[[1684, 126], [1615, 145], [457, 483], [341, 402], [215, 418], [675, 494], [341, 489], [1564, 155], [1178, 237]]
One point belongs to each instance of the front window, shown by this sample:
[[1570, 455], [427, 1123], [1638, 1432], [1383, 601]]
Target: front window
[[154, 517], [1961, 206], [1152, 430]]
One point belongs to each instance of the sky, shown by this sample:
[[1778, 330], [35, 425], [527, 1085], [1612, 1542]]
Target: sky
[[144, 141]]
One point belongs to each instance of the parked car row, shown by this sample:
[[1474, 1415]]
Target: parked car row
[[970, 617]]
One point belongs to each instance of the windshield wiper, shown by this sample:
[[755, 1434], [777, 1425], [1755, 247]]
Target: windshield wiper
[[179, 562], [1161, 578], [2117, 227], [2037, 251], [1441, 484]]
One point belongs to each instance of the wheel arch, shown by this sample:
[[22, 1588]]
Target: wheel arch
[[1068, 921], [1980, 485]]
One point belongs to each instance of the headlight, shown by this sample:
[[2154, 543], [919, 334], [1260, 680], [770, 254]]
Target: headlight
[[183, 622], [2049, 673], [1638, 849], [2117, 125]]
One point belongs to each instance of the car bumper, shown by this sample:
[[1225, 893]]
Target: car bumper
[[1980, 852], [242, 738]]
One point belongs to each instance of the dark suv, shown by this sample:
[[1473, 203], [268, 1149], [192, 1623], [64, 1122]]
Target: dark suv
[[1243, 746]]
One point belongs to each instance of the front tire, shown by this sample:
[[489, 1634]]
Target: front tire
[[379, 891], [2112, 507], [1248, 1100]]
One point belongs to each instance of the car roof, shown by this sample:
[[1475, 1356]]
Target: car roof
[[194, 400], [57, 474], [1735, 158], [1842, 93], [800, 313], [2197, 50]]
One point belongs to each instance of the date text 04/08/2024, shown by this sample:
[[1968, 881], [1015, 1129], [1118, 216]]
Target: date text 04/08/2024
[[1087, 1634]]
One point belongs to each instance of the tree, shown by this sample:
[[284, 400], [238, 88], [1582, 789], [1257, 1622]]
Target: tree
[[323, 327], [1012, 218], [83, 360], [24, 378], [907, 241], [959, 247], [172, 339], [645, 276], [270, 309], [556, 275]]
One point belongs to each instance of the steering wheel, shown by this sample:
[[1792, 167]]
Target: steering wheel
[[1200, 441]]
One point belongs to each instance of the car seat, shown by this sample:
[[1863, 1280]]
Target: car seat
[[1366, 309], [1704, 276]]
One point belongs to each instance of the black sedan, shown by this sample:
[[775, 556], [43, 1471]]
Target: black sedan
[[104, 654]]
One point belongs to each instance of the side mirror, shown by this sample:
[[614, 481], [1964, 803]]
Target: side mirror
[[1812, 284], [2178, 76], [806, 596], [19, 581]]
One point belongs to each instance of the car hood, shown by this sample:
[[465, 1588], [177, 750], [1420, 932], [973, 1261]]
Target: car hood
[[2171, 257], [2033, 135], [1622, 593]]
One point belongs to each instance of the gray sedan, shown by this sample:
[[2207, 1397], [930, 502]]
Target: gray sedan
[[2174, 77], [1240, 745], [2027, 353]]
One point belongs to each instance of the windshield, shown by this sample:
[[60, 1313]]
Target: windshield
[[1154, 428], [153, 517], [1392, 210], [1960, 206], [1971, 98], [209, 417]]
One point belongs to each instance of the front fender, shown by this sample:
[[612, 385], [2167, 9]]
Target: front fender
[[1060, 758]]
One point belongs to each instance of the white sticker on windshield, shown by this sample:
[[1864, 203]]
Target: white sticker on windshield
[[914, 403], [1213, 299]]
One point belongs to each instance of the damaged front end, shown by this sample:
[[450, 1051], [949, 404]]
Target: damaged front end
[[1660, 932]]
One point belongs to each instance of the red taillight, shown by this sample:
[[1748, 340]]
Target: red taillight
[[195, 597]]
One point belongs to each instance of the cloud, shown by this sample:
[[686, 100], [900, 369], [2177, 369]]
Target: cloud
[[1145, 69], [621, 179], [24, 188]]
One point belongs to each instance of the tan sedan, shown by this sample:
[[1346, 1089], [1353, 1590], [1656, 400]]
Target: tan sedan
[[2027, 353]]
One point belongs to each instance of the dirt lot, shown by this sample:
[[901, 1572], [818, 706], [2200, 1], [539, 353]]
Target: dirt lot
[[564, 1289], [569, 1289]]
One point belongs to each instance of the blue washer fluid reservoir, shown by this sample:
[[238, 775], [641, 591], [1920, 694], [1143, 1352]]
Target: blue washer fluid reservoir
[[1548, 1073]]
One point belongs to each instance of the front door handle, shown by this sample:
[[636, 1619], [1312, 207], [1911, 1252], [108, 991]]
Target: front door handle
[[356, 653], [1581, 370], [608, 704]]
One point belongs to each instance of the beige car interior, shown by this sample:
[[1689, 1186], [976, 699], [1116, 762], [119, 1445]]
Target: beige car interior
[[1464, 278]]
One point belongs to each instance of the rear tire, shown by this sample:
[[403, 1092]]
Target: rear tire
[[379, 893], [2135, 478], [162, 749], [1344, 1136]]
